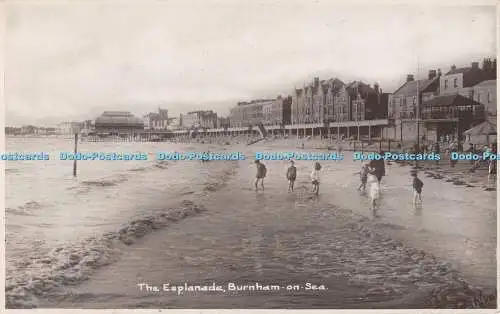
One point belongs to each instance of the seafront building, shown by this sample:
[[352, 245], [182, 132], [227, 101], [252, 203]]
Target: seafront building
[[118, 121], [156, 120], [204, 119], [486, 94], [251, 113], [425, 109]]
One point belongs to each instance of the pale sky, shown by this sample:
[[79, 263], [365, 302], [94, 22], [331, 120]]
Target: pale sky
[[73, 61]]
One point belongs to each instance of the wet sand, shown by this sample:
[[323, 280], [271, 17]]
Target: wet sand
[[274, 237]]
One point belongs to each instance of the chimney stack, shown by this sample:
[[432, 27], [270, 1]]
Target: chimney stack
[[432, 74], [316, 81], [410, 78], [453, 67], [475, 65], [439, 72], [376, 87]]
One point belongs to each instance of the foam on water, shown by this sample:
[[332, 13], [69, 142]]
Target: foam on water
[[39, 273]]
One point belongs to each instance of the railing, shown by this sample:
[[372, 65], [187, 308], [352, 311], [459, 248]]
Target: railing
[[453, 115]]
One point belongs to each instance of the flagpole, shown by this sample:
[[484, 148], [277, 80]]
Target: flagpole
[[418, 110]]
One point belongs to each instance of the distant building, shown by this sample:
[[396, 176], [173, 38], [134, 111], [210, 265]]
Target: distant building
[[248, 113], [403, 101], [208, 119], [366, 102], [267, 113], [223, 122], [69, 127], [87, 126], [278, 111], [462, 80], [118, 121], [486, 94], [450, 115], [321, 101], [156, 120], [174, 123], [199, 119]]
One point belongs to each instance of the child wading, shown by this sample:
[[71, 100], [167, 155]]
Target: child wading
[[417, 188], [374, 190], [363, 175], [291, 175], [261, 174], [315, 178]]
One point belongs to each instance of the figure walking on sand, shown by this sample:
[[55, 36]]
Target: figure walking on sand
[[315, 178], [363, 175], [261, 174], [417, 188], [291, 175]]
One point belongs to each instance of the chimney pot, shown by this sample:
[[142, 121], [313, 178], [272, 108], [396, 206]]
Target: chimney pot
[[410, 78], [453, 67], [432, 74]]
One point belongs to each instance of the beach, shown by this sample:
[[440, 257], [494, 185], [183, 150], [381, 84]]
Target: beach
[[188, 223]]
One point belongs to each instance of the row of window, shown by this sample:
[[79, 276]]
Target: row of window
[[455, 83]]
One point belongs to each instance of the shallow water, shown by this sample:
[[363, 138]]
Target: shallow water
[[208, 225]]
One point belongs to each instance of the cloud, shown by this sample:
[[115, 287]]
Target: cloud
[[66, 60]]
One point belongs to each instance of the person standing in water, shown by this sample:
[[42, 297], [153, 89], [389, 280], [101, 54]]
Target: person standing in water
[[417, 188], [315, 178], [378, 167], [291, 175], [261, 174], [363, 174], [374, 190]]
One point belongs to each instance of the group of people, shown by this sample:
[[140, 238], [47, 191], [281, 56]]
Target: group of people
[[291, 176], [371, 173]]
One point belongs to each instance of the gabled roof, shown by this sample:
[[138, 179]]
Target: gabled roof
[[454, 100], [411, 87], [485, 128]]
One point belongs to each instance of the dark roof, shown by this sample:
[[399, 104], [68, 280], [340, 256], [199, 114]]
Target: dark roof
[[363, 89], [450, 100], [410, 87], [458, 70]]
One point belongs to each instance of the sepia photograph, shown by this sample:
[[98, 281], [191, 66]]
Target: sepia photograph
[[250, 155]]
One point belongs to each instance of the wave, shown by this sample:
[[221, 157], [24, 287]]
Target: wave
[[40, 274], [106, 182], [26, 209], [441, 284], [220, 181]]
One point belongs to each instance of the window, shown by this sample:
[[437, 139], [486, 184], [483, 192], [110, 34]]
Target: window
[[414, 100], [489, 97], [455, 85], [445, 84], [471, 94]]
